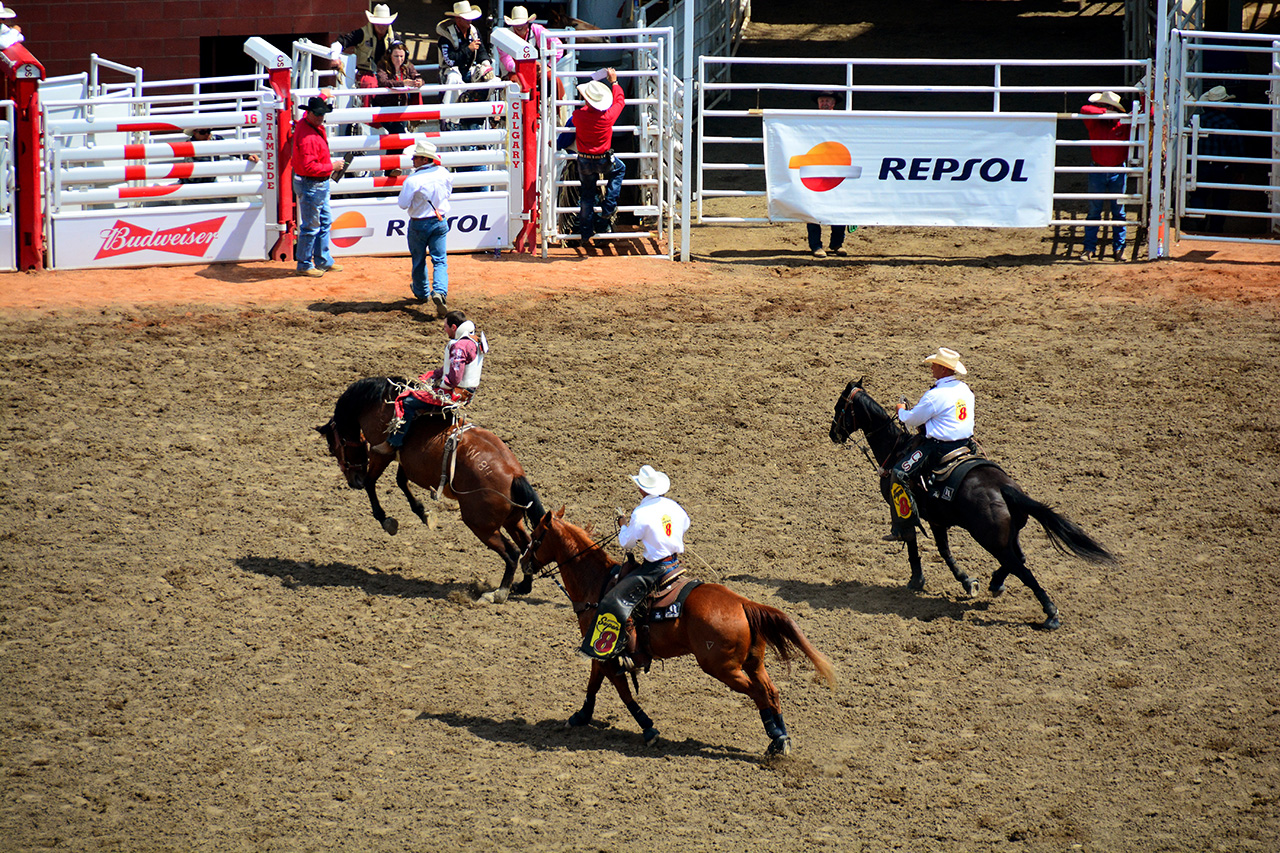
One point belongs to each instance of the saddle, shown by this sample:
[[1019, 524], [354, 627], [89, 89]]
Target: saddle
[[664, 604], [944, 480]]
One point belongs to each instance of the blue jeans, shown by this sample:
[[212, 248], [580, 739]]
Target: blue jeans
[[815, 236], [589, 171], [314, 218], [1100, 182], [427, 236]]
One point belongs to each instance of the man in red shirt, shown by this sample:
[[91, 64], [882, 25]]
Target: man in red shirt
[[1107, 127], [308, 153], [593, 123]]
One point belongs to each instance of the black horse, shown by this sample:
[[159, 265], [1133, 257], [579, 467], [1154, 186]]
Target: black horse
[[988, 504]]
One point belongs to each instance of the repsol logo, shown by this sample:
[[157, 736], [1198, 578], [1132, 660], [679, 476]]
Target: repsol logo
[[992, 170], [462, 224]]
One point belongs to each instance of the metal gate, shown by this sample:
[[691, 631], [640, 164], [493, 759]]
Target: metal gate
[[650, 146], [1222, 167]]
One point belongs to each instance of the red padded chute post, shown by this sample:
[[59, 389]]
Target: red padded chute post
[[22, 74]]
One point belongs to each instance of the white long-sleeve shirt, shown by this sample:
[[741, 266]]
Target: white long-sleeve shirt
[[945, 410], [658, 523], [426, 191]]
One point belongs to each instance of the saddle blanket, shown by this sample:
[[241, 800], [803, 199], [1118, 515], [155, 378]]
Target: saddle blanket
[[945, 489], [668, 603]]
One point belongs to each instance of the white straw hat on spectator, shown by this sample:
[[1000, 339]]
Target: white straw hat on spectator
[[1107, 99], [464, 9], [1218, 93], [948, 358], [423, 148], [651, 481], [381, 14], [597, 94], [6, 12], [519, 17]]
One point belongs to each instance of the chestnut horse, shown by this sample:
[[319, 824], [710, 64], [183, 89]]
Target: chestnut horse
[[989, 504], [724, 631], [486, 479]]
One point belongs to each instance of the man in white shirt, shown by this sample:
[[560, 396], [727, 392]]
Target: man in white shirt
[[425, 196], [657, 525], [946, 413]]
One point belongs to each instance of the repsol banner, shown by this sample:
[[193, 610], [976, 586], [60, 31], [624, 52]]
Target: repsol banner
[[857, 168], [477, 222], [161, 236]]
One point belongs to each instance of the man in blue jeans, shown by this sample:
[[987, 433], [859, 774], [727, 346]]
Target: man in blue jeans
[[1107, 124], [308, 153], [425, 196], [593, 123]]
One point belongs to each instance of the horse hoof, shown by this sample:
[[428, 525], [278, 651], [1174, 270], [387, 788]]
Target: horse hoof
[[915, 584], [780, 746], [578, 719], [1053, 623], [970, 588], [524, 587], [391, 526], [433, 521], [997, 591], [650, 735], [498, 596], [485, 598]]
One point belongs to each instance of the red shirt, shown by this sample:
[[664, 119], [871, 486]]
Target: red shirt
[[595, 128], [1106, 129], [310, 156]]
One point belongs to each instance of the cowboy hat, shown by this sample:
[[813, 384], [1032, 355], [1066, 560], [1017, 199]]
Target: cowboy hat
[[597, 94], [651, 482], [381, 14], [6, 12], [1218, 93], [464, 9], [318, 105], [1107, 99], [423, 148], [949, 359], [519, 17], [835, 96]]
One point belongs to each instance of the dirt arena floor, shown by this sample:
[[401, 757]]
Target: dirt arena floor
[[210, 645]]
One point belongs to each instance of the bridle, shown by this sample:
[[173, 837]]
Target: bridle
[[846, 416], [344, 461], [556, 567]]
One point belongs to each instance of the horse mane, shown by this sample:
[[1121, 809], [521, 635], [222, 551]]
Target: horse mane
[[360, 396], [875, 411]]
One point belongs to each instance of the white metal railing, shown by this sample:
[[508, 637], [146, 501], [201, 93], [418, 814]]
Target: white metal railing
[[649, 165], [740, 130]]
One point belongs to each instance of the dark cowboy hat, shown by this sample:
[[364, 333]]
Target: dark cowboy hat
[[318, 105], [838, 97]]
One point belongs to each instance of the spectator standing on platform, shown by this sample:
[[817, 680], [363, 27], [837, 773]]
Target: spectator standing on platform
[[369, 44], [1105, 125], [396, 72], [593, 124], [308, 153], [425, 196], [526, 27], [826, 101], [463, 56], [9, 35], [1219, 142]]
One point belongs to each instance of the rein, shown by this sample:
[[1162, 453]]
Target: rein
[[547, 570], [867, 433]]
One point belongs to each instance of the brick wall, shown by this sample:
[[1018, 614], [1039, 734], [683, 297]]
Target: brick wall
[[163, 36]]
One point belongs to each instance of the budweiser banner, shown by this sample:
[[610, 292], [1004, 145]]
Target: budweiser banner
[[365, 226], [851, 168], [163, 236]]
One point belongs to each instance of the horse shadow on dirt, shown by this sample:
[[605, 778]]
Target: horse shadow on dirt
[[551, 735], [879, 599], [296, 573], [416, 310]]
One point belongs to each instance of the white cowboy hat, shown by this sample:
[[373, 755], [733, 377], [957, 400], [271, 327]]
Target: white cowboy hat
[[464, 9], [426, 149], [948, 358], [1218, 93], [6, 12], [1107, 99], [597, 94], [381, 14], [519, 17], [651, 482]]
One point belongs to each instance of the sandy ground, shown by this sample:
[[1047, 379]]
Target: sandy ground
[[210, 645]]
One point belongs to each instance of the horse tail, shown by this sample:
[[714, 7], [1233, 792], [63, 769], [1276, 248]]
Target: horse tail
[[1064, 533], [783, 635], [523, 495]]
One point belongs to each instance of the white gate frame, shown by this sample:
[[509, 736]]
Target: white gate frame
[[659, 98], [8, 230]]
